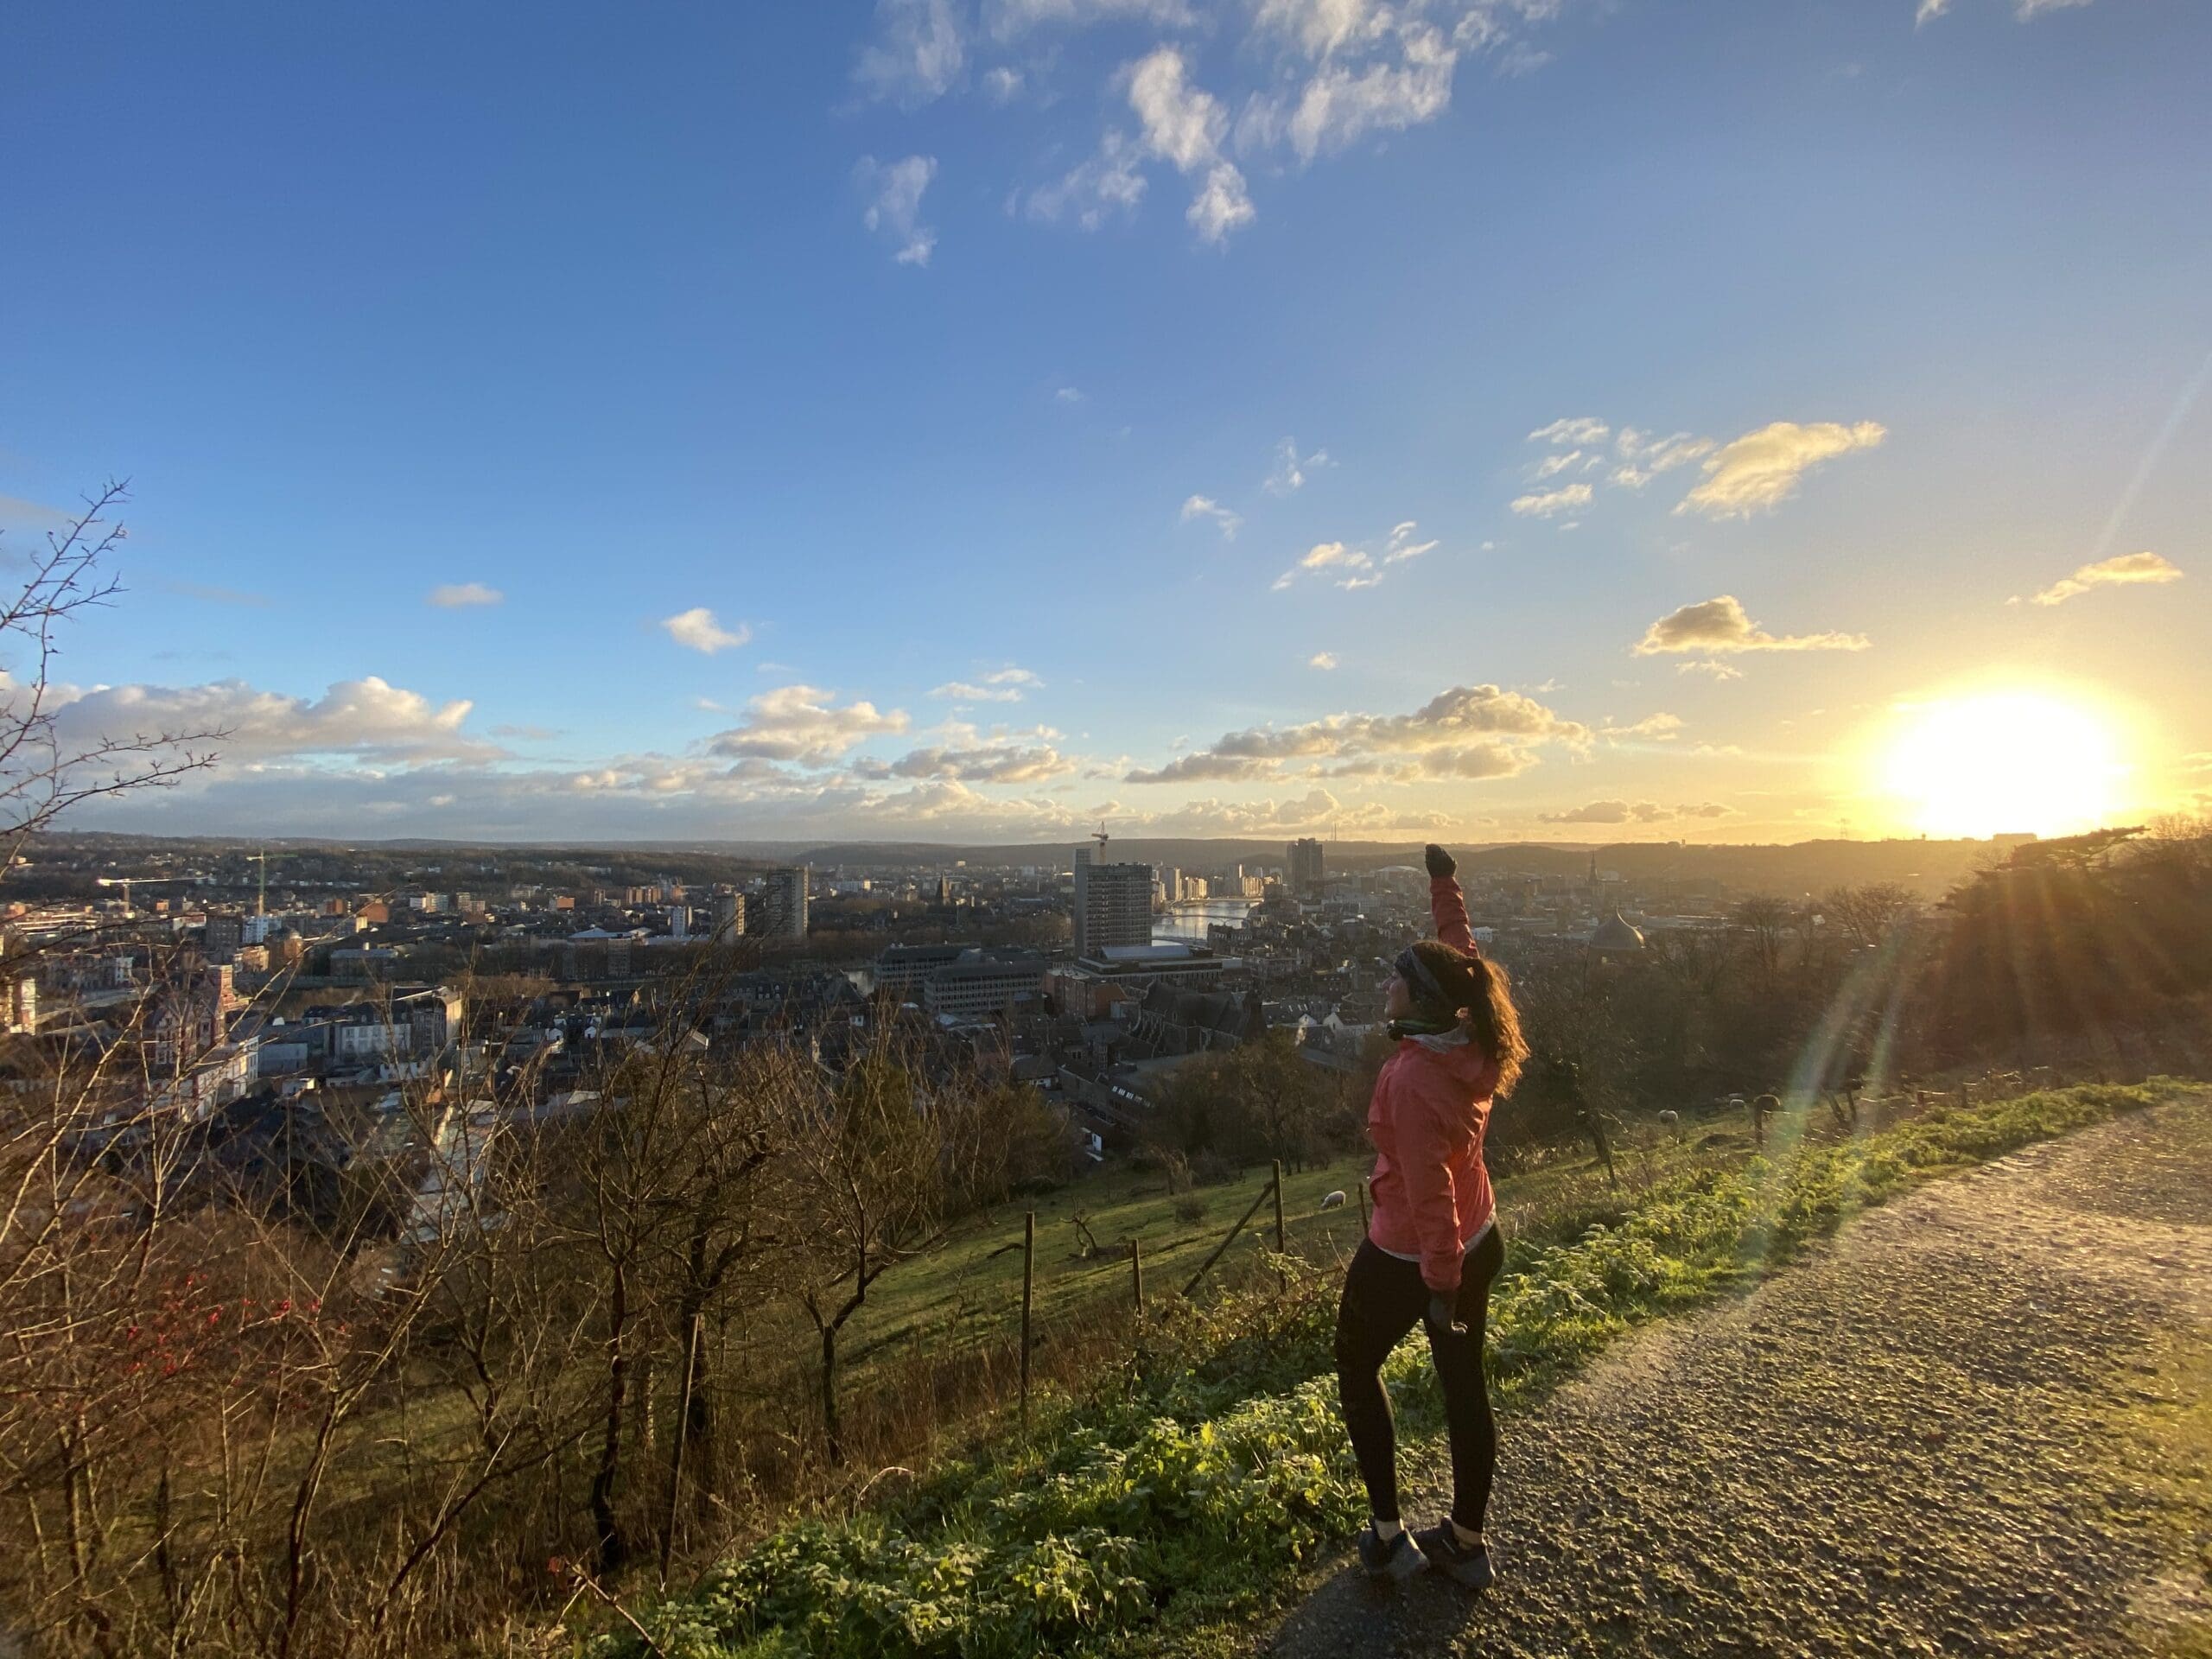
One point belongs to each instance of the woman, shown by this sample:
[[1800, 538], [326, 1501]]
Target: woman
[[1432, 1247]]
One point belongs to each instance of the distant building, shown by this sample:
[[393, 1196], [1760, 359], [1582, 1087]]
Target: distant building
[[1615, 938], [784, 904], [1113, 904], [981, 981], [222, 938], [903, 969], [729, 917], [1308, 866], [1141, 965]]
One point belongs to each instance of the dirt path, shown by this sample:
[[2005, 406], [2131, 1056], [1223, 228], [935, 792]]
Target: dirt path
[[1917, 1442]]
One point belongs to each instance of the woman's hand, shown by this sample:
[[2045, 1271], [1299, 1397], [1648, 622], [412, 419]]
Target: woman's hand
[[1440, 864], [1440, 1316]]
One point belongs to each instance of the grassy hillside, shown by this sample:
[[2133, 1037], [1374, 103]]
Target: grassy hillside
[[1162, 1508]]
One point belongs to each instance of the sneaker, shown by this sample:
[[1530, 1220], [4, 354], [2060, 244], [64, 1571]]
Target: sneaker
[[1465, 1563], [1394, 1557]]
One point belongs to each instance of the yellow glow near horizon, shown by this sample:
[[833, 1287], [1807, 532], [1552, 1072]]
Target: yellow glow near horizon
[[1993, 762]]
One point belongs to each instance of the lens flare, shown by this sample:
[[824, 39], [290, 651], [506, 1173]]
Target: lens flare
[[1996, 762]]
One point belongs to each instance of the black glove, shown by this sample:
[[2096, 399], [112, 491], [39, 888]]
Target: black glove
[[1440, 1317], [1440, 864]]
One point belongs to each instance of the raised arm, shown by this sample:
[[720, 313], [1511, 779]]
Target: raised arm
[[1446, 904]]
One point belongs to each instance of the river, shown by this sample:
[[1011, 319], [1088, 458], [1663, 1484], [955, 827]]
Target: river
[[1186, 923]]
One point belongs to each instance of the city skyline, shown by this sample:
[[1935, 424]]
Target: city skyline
[[1455, 419]]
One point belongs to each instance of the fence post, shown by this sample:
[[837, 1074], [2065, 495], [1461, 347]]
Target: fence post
[[1028, 1289], [1282, 1238], [1136, 1275], [1965, 1096], [682, 1437], [1241, 1222]]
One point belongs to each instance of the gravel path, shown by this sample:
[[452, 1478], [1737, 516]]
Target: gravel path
[[1910, 1444]]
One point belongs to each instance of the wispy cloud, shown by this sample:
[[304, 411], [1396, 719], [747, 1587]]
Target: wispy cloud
[[1549, 504], [454, 595], [2126, 570], [1289, 473], [1205, 507], [1324, 660], [1000, 685], [894, 204]]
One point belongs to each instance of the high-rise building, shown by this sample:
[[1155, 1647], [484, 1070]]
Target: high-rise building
[[785, 903], [1113, 903], [729, 917], [1308, 866]]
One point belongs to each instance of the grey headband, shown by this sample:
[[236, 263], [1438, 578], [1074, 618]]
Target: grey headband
[[1411, 969]]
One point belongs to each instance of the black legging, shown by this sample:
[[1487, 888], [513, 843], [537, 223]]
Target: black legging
[[1384, 1299]]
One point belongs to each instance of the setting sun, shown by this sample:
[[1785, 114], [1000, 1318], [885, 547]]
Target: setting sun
[[1994, 762]]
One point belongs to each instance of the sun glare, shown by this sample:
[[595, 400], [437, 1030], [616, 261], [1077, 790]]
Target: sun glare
[[1995, 762]]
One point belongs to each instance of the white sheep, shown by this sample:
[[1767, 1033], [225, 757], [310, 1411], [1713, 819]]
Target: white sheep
[[1333, 1200]]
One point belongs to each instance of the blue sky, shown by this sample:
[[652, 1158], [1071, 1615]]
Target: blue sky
[[899, 347]]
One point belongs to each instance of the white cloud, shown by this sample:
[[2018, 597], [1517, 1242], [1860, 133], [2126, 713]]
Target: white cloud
[[917, 52], [1553, 465], [1578, 429], [1093, 190], [801, 723], [1761, 469], [1008, 20], [1205, 507], [1223, 205], [697, 630], [1002, 685], [1002, 85], [1401, 546], [1478, 731], [1547, 504], [1720, 626], [1340, 105], [1184, 125], [1289, 471], [895, 206], [1658, 728], [2023, 10], [1355, 568], [1319, 27], [1711, 670], [1643, 457], [1324, 660], [368, 720], [2124, 570], [453, 595]]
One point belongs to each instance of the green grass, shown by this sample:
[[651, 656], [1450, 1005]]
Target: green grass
[[1174, 1501]]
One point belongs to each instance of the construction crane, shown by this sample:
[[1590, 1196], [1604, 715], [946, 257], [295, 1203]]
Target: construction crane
[[1100, 836], [261, 897]]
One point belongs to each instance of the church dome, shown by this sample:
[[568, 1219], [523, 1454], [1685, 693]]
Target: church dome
[[1615, 934]]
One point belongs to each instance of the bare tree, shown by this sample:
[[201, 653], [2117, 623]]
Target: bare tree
[[43, 770], [863, 1155]]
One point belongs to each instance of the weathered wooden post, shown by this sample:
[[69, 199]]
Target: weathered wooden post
[[1282, 1238], [1028, 1290], [683, 1438], [1136, 1275]]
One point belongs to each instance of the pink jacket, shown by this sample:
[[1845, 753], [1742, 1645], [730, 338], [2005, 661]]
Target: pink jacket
[[1431, 1107]]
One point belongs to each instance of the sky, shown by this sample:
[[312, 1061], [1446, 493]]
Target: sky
[[971, 420]]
